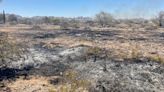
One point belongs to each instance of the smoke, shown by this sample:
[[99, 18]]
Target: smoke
[[134, 8]]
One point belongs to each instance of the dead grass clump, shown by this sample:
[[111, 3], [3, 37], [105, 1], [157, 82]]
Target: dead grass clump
[[136, 53], [94, 52], [132, 53], [122, 55], [157, 58], [72, 83]]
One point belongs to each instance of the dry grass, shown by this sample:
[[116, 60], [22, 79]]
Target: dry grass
[[9, 49], [15, 28], [34, 84], [157, 58], [67, 41], [72, 83], [122, 48]]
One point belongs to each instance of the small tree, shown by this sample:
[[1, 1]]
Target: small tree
[[4, 17], [104, 18], [161, 19]]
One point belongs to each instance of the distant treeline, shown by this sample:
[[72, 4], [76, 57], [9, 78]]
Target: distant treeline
[[101, 19], [13, 18]]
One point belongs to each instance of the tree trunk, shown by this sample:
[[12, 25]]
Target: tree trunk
[[4, 17]]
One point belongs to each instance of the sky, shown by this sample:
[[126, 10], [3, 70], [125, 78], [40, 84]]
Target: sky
[[87, 8]]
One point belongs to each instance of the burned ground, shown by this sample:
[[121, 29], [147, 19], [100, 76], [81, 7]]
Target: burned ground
[[133, 61]]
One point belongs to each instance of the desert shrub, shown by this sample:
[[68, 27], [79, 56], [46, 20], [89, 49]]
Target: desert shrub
[[9, 50], [104, 19]]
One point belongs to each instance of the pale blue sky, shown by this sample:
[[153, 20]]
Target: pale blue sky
[[73, 8]]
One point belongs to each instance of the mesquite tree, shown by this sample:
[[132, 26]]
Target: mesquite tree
[[104, 18]]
